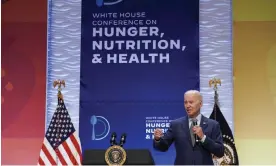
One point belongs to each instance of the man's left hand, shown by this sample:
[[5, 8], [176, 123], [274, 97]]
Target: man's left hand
[[198, 131]]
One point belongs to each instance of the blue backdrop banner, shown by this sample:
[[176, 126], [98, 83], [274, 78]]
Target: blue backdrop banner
[[138, 57]]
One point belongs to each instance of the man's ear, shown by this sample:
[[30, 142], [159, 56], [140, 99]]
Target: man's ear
[[200, 102]]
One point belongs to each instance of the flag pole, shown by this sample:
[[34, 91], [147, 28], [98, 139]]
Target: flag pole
[[59, 84], [215, 82]]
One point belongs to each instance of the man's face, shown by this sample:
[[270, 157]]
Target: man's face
[[192, 104]]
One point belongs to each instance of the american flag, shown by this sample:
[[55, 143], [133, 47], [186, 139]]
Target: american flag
[[61, 145]]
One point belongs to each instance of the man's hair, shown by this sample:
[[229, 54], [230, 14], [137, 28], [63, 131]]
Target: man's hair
[[194, 92]]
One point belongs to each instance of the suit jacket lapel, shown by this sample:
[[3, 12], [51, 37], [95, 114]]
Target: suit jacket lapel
[[203, 123]]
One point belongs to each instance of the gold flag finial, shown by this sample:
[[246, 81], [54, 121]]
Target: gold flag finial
[[59, 84], [215, 82]]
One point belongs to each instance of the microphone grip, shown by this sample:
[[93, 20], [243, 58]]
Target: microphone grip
[[196, 137], [123, 140], [113, 139], [113, 143], [121, 143]]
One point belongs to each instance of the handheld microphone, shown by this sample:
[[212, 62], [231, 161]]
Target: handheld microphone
[[195, 124], [123, 139], [113, 139]]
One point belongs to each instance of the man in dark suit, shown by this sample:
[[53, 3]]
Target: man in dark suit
[[196, 137]]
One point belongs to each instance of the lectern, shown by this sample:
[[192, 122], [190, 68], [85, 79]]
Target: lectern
[[134, 157]]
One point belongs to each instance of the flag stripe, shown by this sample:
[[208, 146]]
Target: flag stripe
[[43, 160], [60, 157], [40, 161], [73, 148], [59, 163], [69, 152], [76, 144], [64, 154], [50, 149], [48, 155]]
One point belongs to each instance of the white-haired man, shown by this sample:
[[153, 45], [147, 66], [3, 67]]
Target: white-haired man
[[195, 136]]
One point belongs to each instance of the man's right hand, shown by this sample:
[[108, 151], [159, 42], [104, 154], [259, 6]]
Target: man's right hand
[[158, 134]]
